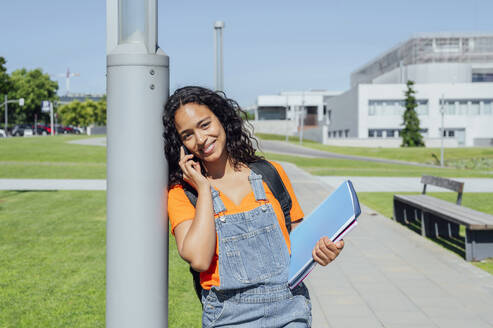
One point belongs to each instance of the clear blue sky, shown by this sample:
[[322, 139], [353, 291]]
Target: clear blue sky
[[269, 45]]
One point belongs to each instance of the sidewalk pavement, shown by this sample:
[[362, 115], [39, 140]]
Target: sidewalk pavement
[[401, 184], [282, 147], [388, 276], [52, 184]]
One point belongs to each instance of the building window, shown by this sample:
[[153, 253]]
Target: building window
[[447, 45], [346, 133], [487, 107], [390, 133], [340, 133], [381, 133], [450, 107], [271, 113], [482, 77], [395, 107], [473, 108], [371, 108], [422, 108], [462, 107]]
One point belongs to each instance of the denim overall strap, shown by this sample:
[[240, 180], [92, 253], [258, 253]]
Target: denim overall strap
[[257, 186], [217, 202]]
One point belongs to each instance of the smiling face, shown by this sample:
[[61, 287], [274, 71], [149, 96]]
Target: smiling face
[[201, 132]]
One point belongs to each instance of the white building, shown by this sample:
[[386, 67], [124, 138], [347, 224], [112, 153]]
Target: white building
[[272, 110], [457, 67]]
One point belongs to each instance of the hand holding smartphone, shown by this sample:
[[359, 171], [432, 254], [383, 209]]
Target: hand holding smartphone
[[192, 172]]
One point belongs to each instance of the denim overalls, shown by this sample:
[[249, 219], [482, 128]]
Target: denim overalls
[[253, 271]]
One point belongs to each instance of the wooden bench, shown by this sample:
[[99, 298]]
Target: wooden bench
[[439, 218]]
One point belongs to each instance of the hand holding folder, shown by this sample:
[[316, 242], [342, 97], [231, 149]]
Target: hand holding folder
[[334, 218], [326, 251]]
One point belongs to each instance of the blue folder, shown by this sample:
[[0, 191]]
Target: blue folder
[[334, 218]]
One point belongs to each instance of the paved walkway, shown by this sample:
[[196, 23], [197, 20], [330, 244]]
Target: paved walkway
[[52, 184], [400, 184], [282, 147], [100, 141], [388, 276]]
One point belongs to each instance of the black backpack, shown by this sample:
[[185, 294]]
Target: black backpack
[[273, 180]]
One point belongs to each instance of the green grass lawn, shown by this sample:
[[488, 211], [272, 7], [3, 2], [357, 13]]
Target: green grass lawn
[[479, 158], [382, 202], [52, 263], [52, 259], [344, 167], [51, 157]]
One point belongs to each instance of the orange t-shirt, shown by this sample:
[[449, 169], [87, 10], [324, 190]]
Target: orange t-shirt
[[180, 209]]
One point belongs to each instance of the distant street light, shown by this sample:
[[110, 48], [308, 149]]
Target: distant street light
[[286, 118], [137, 87], [7, 101], [302, 116], [442, 112], [218, 55]]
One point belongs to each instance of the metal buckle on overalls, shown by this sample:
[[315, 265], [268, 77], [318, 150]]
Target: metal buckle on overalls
[[263, 207], [221, 216]]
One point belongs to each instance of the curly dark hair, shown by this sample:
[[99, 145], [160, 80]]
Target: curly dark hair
[[233, 119]]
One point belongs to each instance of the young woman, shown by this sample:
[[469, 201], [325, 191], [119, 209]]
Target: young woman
[[235, 236]]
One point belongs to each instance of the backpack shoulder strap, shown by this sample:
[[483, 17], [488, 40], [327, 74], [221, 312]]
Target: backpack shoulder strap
[[191, 193], [276, 185], [192, 197]]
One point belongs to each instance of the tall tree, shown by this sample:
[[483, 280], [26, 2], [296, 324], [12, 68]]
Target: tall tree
[[4, 79], [411, 136], [84, 113], [34, 86]]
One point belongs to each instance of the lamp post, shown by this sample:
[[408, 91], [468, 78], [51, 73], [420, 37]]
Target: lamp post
[[6, 103], [286, 118], [302, 116], [442, 112], [218, 55], [137, 228]]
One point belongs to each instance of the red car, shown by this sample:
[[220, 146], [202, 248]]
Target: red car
[[42, 129]]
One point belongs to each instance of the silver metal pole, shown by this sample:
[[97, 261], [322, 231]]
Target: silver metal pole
[[286, 118], [137, 226], [51, 119], [442, 112], [216, 73], [302, 118], [218, 55], [6, 115], [221, 61]]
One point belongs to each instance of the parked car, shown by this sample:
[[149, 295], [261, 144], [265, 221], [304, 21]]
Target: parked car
[[76, 129], [61, 129], [20, 129], [42, 130], [2, 133]]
